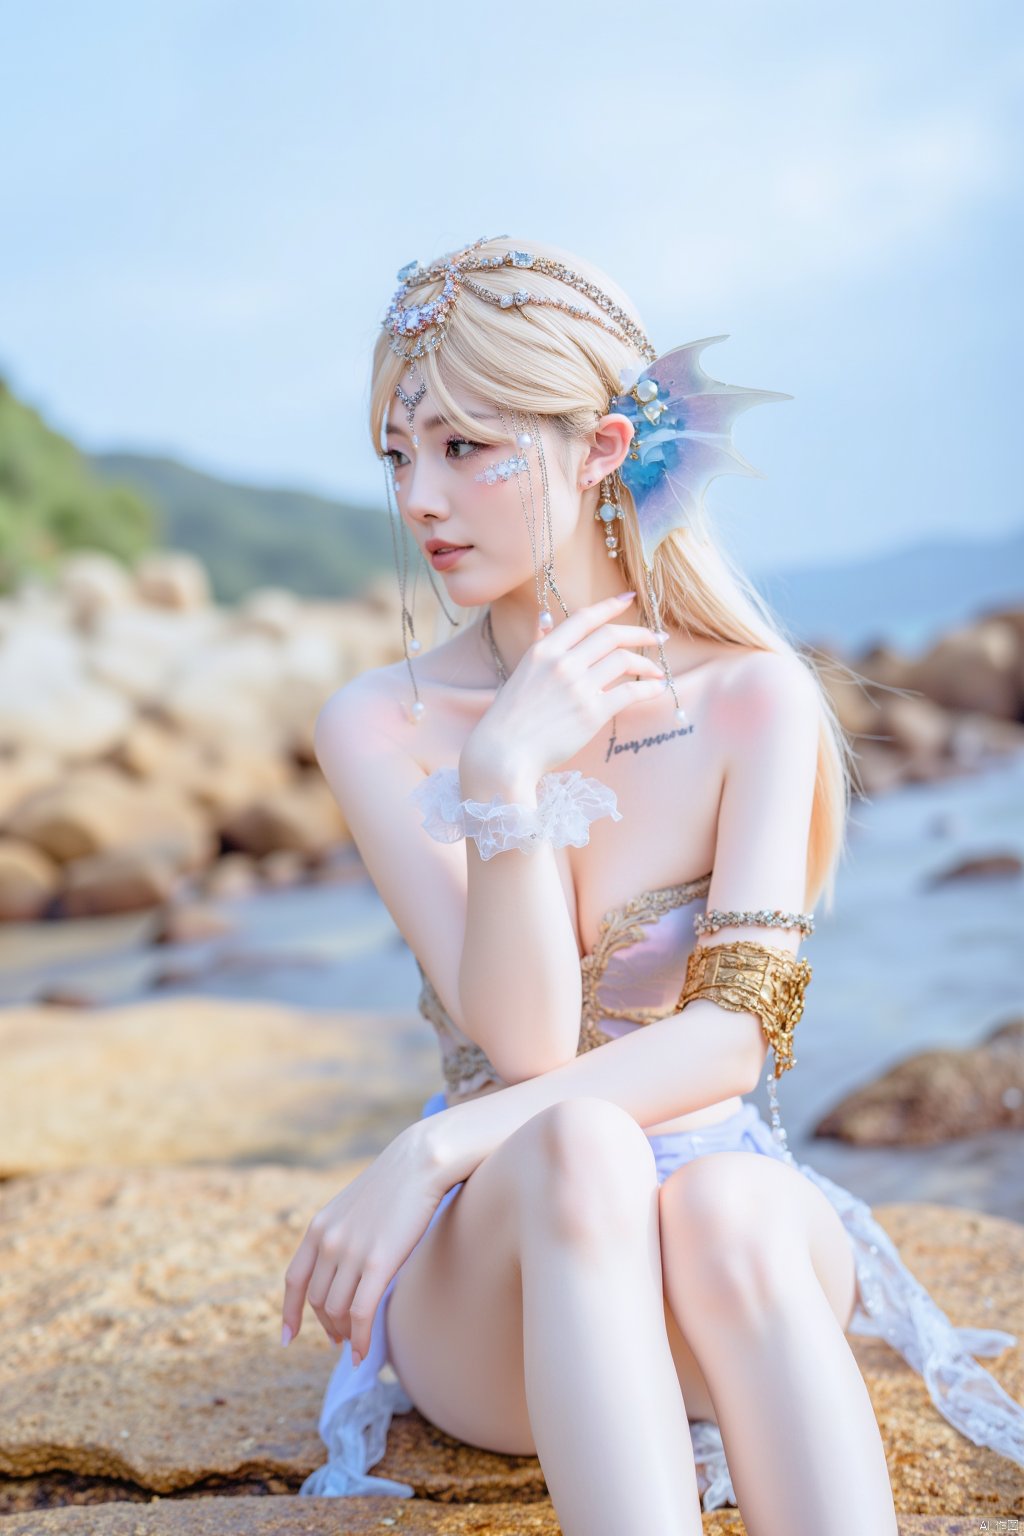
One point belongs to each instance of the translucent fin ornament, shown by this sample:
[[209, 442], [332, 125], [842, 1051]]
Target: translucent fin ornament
[[682, 420]]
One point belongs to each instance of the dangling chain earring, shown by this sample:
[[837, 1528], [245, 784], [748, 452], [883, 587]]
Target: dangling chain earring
[[609, 511]]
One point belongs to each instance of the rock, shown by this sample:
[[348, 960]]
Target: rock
[[983, 866], [192, 922], [28, 881], [100, 810], [974, 667], [294, 1516], [916, 727], [303, 817], [172, 579], [142, 1316], [48, 703], [234, 777], [938, 1095], [233, 875], [273, 611], [22, 772], [93, 583], [184, 1080], [124, 880], [140, 651]]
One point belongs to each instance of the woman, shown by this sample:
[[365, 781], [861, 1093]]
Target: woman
[[551, 1260]]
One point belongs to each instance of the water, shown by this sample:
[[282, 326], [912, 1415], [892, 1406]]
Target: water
[[897, 968]]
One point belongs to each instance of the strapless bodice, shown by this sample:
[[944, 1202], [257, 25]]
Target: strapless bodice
[[632, 976]]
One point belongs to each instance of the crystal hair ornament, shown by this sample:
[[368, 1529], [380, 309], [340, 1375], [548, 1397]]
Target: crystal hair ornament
[[414, 329]]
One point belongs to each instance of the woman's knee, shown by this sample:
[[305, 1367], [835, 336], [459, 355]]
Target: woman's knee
[[587, 1169], [728, 1236]]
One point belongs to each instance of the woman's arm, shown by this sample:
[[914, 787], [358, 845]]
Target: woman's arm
[[769, 713], [519, 975]]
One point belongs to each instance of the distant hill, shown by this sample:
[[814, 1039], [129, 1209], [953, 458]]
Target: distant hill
[[905, 599], [52, 501], [251, 536]]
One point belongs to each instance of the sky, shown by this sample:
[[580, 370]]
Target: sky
[[205, 205]]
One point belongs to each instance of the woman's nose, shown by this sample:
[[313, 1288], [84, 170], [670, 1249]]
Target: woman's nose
[[423, 494]]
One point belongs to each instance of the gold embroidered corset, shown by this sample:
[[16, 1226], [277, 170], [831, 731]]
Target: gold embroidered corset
[[631, 977]]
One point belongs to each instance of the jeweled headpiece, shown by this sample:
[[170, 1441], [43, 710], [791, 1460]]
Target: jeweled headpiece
[[417, 328], [682, 418]]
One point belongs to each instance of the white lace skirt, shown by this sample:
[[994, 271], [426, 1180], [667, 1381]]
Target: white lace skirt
[[891, 1305]]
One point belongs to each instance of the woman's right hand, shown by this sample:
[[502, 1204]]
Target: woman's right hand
[[558, 697]]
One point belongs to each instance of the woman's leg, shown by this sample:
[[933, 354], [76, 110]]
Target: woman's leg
[[532, 1319], [759, 1275]]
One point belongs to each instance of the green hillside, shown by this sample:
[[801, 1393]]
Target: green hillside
[[51, 500], [251, 536]]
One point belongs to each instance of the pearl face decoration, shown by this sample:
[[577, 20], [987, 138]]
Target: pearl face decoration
[[524, 440], [546, 622]]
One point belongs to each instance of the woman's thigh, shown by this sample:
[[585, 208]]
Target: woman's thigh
[[455, 1317]]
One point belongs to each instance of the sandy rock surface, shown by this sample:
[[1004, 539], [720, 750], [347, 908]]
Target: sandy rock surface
[[142, 1314], [162, 1081]]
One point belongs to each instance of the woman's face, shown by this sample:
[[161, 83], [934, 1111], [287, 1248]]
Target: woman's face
[[457, 492]]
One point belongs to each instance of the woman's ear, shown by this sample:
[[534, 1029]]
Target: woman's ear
[[609, 447]]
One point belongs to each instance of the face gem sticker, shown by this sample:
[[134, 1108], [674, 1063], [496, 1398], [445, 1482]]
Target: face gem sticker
[[503, 470]]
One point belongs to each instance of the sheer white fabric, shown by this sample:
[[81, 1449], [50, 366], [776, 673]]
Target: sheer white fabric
[[892, 1305], [566, 805]]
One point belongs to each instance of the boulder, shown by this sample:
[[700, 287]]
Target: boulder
[[974, 667], [100, 810], [175, 579], [120, 880], [937, 1095], [142, 1314], [93, 583], [303, 817], [22, 772], [984, 866], [49, 704], [28, 881]]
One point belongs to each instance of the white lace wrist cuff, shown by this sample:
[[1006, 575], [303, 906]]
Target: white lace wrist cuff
[[566, 805]]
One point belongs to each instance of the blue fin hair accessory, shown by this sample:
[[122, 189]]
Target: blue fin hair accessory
[[682, 437]]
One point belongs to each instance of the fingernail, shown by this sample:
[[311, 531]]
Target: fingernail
[[623, 595], [356, 1357], [286, 1335], [661, 634]]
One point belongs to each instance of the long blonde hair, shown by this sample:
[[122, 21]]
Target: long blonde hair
[[565, 369]]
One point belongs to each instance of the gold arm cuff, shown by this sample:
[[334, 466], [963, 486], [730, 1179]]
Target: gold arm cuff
[[747, 977]]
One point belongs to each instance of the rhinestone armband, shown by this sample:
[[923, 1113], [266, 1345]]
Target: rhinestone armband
[[711, 922]]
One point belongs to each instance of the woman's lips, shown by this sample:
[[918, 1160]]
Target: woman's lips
[[441, 559]]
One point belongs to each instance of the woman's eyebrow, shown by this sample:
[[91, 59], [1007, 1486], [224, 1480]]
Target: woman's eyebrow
[[441, 421]]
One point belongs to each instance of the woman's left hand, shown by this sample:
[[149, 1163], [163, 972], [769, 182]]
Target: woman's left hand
[[359, 1240]]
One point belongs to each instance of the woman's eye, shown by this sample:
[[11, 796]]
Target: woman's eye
[[391, 454], [462, 442]]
